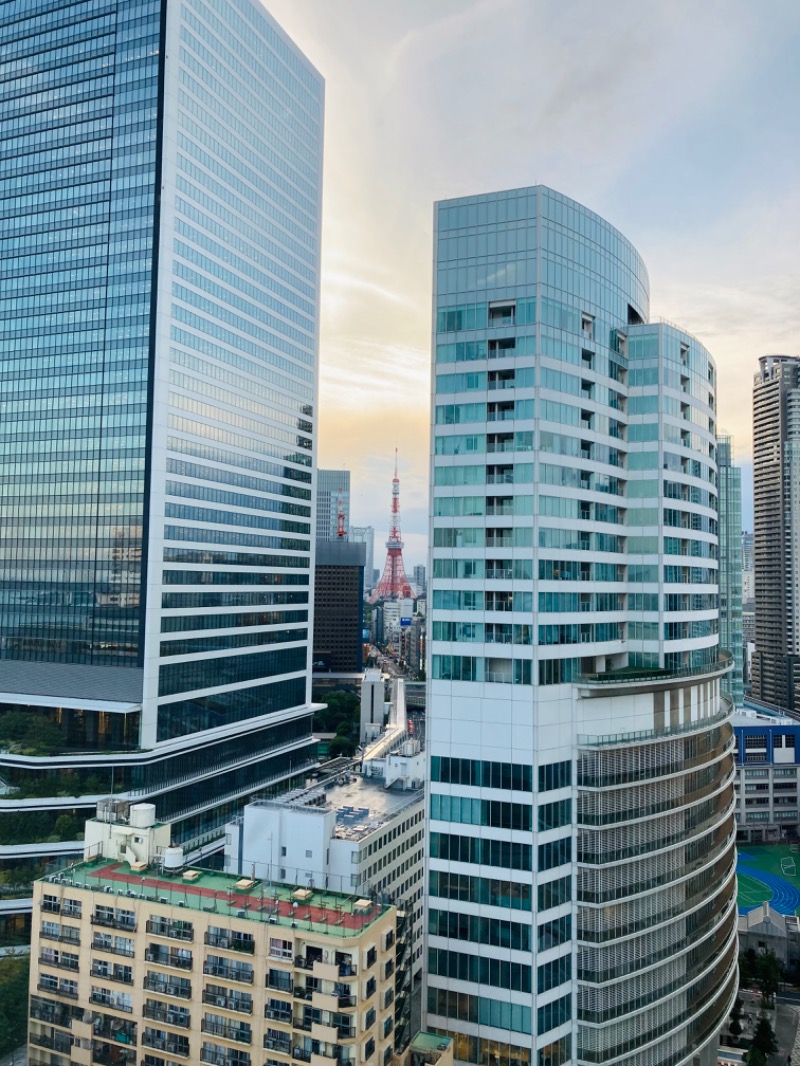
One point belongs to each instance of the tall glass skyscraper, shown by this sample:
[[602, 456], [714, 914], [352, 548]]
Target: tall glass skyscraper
[[160, 195], [580, 884], [730, 568]]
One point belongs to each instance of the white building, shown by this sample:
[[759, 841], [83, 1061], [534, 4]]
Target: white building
[[360, 831], [581, 900]]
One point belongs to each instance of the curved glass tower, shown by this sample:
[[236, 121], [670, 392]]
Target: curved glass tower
[[581, 900]]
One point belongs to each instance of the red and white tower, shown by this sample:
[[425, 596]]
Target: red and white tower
[[393, 585]]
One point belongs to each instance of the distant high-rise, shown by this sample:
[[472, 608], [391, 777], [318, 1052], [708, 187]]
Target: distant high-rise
[[366, 535], [420, 577], [730, 567], [338, 607], [581, 896], [158, 348], [776, 537], [332, 486]]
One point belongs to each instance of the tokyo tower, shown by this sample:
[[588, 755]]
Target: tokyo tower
[[393, 585]]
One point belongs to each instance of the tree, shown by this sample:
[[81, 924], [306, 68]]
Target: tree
[[755, 1057], [14, 973], [768, 974], [764, 1037], [748, 963], [735, 1027]]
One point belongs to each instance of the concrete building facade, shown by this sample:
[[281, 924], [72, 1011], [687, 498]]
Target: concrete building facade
[[141, 959], [160, 340], [580, 857]]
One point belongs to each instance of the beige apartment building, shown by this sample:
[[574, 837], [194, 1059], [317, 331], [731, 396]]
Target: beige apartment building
[[138, 959]]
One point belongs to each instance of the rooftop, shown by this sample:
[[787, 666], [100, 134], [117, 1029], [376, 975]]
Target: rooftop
[[226, 895], [362, 804]]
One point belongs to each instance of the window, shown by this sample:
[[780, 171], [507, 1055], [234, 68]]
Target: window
[[502, 313], [555, 853], [555, 775], [554, 1014], [554, 893], [280, 949]]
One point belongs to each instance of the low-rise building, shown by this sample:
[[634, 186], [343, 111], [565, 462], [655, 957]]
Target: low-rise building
[[765, 929], [767, 774], [351, 834], [139, 959]]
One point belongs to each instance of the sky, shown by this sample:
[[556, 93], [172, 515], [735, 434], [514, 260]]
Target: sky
[[676, 121]]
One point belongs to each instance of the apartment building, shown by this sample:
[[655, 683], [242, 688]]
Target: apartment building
[[138, 958]]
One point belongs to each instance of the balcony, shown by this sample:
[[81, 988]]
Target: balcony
[[167, 1015], [283, 1046], [107, 999], [108, 1055], [228, 973], [98, 970], [126, 925], [173, 930], [58, 990], [65, 936], [282, 1016], [240, 1004], [242, 1034], [165, 988], [163, 1043], [647, 677], [59, 961], [52, 1014], [117, 1031], [54, 1041], [165, 958], [98, 944], [231, 942]]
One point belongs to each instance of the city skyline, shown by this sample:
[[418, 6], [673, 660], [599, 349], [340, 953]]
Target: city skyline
[[687, 108]]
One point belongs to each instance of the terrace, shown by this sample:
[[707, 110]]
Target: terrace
[[227, 896]]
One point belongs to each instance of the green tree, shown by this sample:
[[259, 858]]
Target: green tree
[[755, 1057], [769, 974], [764, 1037], [735, 1027], [14, 974]]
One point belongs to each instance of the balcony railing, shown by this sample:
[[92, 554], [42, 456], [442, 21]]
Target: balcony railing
[[231, 942], [636, 675], [242, 1034], [228, 973], [166, 988], [167, 1015], [100, 945], [167, 959], [168, 929]]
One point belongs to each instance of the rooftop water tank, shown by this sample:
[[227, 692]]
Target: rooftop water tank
[[173, 857], [142, 815]]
